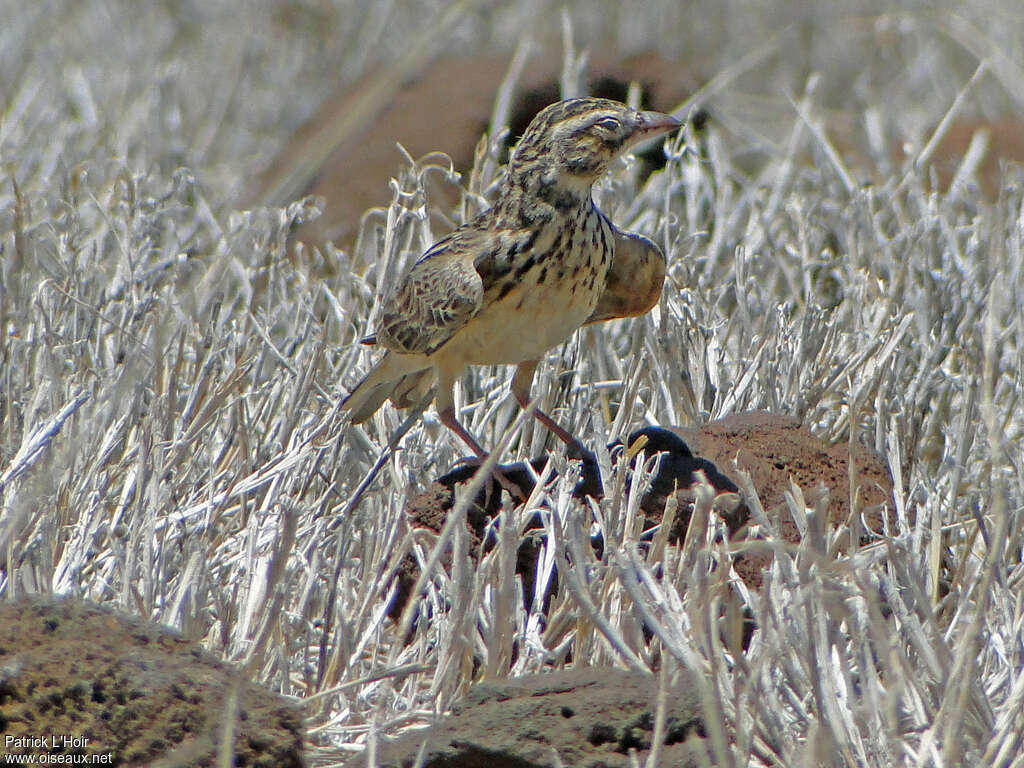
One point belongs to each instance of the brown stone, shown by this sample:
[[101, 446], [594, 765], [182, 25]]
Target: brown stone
[[133, 689], [594, 717], [1004, 147], [587, 717], [776, 450], [446, 107]]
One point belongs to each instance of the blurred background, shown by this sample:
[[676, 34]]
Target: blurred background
[[267, 101]]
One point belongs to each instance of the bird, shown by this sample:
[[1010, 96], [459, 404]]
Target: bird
[[523, 275]]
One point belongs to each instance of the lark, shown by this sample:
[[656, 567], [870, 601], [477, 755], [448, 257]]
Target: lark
[[524, 275]]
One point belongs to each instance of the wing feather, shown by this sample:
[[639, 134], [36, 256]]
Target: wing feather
[[634, 281], [445, 289], [441, 293]]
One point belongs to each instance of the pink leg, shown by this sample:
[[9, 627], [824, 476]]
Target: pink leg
[[521, 383], [447, 416], [449, 420]]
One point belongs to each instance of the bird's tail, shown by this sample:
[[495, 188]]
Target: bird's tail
[[399, 377]]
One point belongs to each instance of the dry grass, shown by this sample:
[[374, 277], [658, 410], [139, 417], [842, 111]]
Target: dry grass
[[168, 435]]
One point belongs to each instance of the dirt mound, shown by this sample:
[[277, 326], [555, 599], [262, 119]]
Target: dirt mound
[[775, 450], [89, 681], [587, 717]]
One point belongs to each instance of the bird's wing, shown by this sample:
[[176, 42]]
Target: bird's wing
[[634, 281], [443, 290]]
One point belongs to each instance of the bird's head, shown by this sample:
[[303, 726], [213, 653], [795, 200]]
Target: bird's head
[[572, 142]]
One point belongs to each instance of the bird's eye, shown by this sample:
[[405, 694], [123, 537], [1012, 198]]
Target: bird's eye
[[608, 124]]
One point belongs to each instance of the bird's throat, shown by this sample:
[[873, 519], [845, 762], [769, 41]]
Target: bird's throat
[[533, 196]]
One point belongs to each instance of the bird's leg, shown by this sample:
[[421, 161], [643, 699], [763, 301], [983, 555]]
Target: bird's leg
[[448, 419], [590, 481], [445, 404], [447, 416], [521, 382]]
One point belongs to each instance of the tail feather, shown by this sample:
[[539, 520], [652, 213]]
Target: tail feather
[[412, 389], [369, 401], [380, 383]]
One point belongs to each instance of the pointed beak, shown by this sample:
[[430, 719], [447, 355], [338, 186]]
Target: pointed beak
[[651, 124]]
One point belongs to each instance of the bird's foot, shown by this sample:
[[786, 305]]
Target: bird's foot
[[515, 489]]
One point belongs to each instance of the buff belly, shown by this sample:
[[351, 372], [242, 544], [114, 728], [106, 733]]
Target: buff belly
[[528, 321]]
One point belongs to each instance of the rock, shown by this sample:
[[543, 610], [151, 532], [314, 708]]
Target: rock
[[998, 166], [776, 449], [346, 151], [587, 717], [130, 688]]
